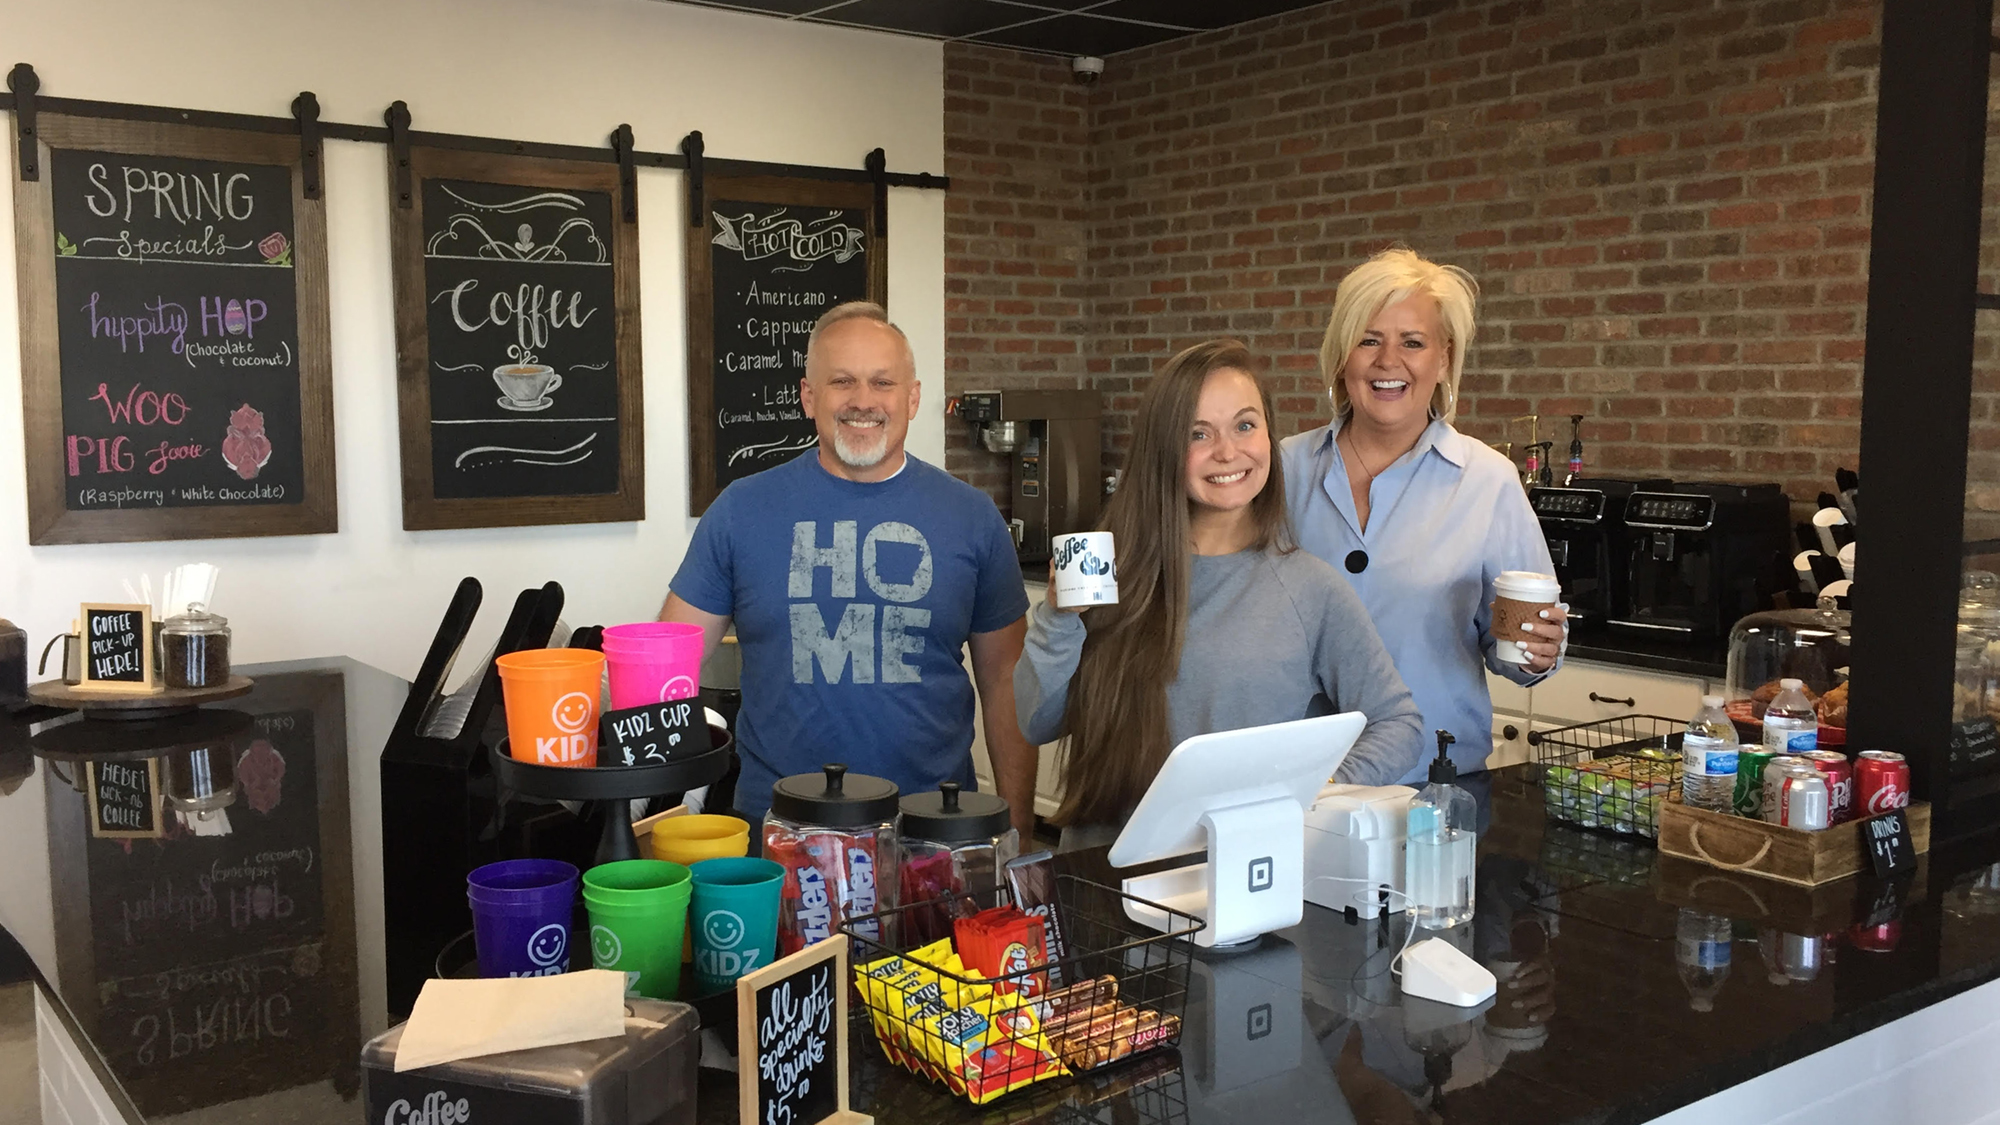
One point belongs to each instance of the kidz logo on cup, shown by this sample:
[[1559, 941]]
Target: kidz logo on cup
[[1086, 569], [724, 930], [547, 948], [572, 716], [605, 948]]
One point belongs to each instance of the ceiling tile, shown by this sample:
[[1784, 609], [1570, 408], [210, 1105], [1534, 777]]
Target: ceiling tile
[[947, 20], [1201, 14], [1079, 35]]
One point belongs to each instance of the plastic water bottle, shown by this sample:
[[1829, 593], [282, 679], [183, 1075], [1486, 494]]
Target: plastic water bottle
[[1701, 953], [1708, 757], [1441, 850], [1791, 726]]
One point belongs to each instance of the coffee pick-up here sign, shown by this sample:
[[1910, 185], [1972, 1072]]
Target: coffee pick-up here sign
[[653, 735]]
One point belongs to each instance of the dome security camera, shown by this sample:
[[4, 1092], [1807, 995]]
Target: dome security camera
[[1086, 69]]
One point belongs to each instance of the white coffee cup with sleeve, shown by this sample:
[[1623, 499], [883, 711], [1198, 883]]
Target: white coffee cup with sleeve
[[1086, 569]]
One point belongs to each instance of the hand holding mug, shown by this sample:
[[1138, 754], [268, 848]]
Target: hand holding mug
[[1527, 623]]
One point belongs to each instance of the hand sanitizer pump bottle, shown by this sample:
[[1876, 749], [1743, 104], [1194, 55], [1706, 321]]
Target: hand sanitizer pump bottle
[[1442, 846]]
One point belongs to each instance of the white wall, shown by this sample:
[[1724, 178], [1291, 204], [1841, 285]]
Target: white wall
[[560, 71]]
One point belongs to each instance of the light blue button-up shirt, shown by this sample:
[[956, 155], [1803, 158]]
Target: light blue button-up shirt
[[1444, 520]]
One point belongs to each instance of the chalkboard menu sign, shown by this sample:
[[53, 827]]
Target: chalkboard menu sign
[[117, 648], [792, 1039], [516, 294], [174, 336], [124, 799], [772, 255], [654, 734]]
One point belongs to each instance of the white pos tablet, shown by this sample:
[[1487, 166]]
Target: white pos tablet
[[1241, 796]]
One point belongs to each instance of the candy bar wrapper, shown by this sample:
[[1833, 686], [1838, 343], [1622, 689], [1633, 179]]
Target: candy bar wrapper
[[989, 1048], [1120, 1033], [1005, 942], [1077, 1003], [1033, 880]]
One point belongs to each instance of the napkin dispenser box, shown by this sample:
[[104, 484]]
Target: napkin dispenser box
[[1354, 846], [646, 1077]]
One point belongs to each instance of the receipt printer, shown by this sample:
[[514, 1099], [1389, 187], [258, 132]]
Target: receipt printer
[[1354, 847]]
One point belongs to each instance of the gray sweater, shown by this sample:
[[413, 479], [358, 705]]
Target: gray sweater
[[1270, 638]]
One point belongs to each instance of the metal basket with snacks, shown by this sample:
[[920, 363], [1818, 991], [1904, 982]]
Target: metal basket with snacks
[[1038, 980], [1611, 775]]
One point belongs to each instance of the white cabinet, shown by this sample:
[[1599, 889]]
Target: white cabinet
[[1583, 691]]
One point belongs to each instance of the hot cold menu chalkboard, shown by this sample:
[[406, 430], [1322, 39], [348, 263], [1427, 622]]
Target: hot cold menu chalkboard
[[520, 395], [774, 255], [175, 350]]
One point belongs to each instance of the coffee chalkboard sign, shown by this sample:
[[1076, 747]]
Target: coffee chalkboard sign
[[117, 648], [124, 799], [792, 1040], [516, 290], [653, 735], [772, 256], [174, 337]]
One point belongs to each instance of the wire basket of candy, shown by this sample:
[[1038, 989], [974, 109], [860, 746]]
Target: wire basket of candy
[[1611, 774], [994, 991]]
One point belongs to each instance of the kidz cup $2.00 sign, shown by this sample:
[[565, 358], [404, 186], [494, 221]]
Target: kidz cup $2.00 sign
[[178, 324]]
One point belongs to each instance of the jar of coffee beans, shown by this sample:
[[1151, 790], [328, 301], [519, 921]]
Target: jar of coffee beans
[[194, 647]]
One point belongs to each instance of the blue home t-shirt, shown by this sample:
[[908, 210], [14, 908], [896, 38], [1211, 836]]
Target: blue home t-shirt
[[852, 602]]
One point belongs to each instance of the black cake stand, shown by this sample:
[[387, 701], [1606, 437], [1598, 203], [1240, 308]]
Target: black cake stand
[[613, 788]]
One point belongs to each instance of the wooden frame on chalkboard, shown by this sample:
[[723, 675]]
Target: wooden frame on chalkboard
[[92, 811], [423, 508], [49, 518], [703, 424], [148, 682], [747, 1070]]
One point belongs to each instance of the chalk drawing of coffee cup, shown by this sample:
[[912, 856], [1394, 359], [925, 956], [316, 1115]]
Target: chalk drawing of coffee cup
[[526, 386]]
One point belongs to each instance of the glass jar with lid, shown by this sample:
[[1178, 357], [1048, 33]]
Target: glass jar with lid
[[194, 649], [1810, 645], [834, 833], [951, 842]]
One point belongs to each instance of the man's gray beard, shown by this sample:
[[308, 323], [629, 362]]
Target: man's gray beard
[[861, 457]]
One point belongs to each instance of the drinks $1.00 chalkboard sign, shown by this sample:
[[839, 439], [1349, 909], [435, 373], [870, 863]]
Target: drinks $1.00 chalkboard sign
[[791, 1031], [174, 336]]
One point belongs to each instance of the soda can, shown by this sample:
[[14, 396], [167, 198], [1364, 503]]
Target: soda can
[[1748, 797], [1803, 956], [1802, 800], [1881, 782], [1774, 776], [1839, 773], [1881, 938]]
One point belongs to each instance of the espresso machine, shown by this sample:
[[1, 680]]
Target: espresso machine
[[1584, 523], [1701, 556], [1052, 438]]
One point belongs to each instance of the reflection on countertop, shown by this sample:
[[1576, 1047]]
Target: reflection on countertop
[[232, 975]]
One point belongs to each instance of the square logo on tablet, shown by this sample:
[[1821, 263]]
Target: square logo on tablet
[[1260, 874]]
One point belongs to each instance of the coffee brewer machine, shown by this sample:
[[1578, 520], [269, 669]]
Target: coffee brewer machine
[[1584, 523], [1058, 464], [1703, 556]]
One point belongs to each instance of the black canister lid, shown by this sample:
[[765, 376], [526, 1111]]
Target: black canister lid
[[835, 798], [950, 816]]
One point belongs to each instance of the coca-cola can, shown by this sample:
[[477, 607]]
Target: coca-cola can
[[1881, 782], [1839, 773], [1880, 938], [1774, 775], [1802, 800]]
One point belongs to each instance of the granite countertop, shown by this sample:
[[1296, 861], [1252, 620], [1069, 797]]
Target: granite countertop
[[231, 977]]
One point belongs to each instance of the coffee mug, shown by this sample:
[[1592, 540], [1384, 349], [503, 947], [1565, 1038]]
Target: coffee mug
[[1519, 597], [527, 383], [1086, 569]]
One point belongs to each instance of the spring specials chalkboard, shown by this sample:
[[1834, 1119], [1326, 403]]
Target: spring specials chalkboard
[[772, 256], [512, 290], [175, 348]]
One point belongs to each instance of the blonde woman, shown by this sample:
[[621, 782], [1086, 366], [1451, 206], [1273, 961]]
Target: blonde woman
[[1418, 517], [1221, 622]]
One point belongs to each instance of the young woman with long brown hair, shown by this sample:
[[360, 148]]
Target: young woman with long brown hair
[[1221, 622]]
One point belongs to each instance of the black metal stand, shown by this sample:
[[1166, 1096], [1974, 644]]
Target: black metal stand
[[613, 788]]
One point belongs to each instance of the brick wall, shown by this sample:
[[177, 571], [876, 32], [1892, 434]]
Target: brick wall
[[1016, 225], [1665, 201]]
